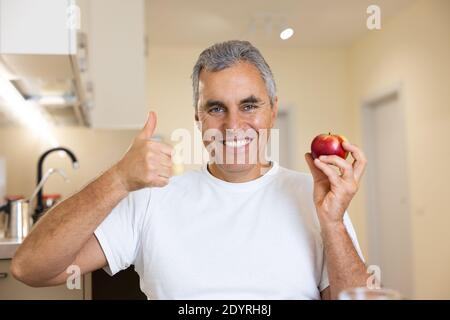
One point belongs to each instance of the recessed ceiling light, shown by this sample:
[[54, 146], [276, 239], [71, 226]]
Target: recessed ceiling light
[[26, 112], [52, 100], [286, 33]]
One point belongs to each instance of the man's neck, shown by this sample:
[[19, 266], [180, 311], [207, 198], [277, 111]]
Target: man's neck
[[253, 173]]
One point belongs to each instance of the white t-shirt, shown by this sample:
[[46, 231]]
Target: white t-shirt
[[204, 238]]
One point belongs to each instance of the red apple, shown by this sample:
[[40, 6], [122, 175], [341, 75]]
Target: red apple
[[328, 144]]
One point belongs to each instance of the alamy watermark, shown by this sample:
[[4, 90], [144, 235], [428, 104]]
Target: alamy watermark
[[374, 280], [237, 146], [73, 281], [373, 22]]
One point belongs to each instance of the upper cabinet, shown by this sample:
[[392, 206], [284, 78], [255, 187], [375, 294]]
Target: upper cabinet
[[82, 61], [37, 27], [43, 59], [117, 63]]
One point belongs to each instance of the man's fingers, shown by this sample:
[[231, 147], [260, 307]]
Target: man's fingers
[[165, 161], [165, 164], [328, 171], [165, 172], [160, 147], [160, 182], [166, 149], [316, 173], [360, 162], [345, 167]]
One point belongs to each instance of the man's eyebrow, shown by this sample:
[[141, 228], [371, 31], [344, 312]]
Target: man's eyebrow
[[250, 99], [211, 103]]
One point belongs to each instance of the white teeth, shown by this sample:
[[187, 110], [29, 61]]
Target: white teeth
[[236, 144]]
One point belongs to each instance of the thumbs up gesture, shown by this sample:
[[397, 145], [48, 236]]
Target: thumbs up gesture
[[147, 163]]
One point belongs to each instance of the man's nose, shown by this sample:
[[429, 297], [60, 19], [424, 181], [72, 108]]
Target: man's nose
[[233, 120]]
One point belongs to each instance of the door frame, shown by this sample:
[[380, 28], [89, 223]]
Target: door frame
[[367, 130]]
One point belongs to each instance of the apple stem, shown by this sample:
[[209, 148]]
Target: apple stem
[[329, 133]]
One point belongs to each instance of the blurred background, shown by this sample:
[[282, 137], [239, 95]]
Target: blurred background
[[83, 75]]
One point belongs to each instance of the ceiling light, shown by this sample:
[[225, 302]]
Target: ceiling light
[[26, 112], [286, 33], [52, 100]]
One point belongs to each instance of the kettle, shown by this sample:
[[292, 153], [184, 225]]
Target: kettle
[[18, 218]]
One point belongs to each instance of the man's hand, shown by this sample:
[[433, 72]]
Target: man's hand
[[147, 163], [333, 192]]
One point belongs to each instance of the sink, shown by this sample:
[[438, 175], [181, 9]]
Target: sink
[[8, 247]]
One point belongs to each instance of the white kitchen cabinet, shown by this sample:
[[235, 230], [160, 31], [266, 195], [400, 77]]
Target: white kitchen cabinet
[[112, 88], [37, 27], [117, 63], [11, 289], [42, 49]]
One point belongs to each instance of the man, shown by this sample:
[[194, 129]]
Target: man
[[233, 230]]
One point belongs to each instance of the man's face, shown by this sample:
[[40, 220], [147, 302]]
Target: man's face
[[234, 102]]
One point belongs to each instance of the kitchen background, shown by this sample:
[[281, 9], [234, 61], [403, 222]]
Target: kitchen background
[[387, 90]]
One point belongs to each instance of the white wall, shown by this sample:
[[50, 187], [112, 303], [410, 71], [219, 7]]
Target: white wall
[[413, 50]]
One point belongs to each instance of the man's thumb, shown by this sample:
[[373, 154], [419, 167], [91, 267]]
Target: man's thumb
[[149, 127]]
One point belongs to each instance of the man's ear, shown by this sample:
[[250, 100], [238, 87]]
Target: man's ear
[[274, 111], [197, 119]]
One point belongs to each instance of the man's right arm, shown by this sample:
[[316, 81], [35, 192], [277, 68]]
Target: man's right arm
[[64, 236]]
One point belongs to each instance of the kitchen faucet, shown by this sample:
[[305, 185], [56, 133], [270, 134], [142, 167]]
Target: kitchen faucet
[[40, 202], [44, 180]]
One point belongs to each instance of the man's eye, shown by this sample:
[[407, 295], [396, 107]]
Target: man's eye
[[216, 110], [250, 107]]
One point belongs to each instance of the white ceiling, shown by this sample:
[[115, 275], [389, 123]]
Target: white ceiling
[[316, 22]]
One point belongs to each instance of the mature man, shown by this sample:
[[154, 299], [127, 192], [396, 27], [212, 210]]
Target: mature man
[[232, 230]]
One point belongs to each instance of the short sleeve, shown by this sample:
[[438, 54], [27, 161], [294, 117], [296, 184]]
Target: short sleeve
[[324, 282], [119, 234]]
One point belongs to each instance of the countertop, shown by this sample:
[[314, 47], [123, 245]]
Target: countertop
[[8, 247]]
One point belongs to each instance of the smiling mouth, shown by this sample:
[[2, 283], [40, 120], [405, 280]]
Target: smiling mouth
[[236, 143]]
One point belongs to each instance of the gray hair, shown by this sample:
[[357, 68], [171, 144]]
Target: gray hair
[[224, 55]]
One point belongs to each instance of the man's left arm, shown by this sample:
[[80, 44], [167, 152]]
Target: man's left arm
[[345, 267], [333, 193]]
